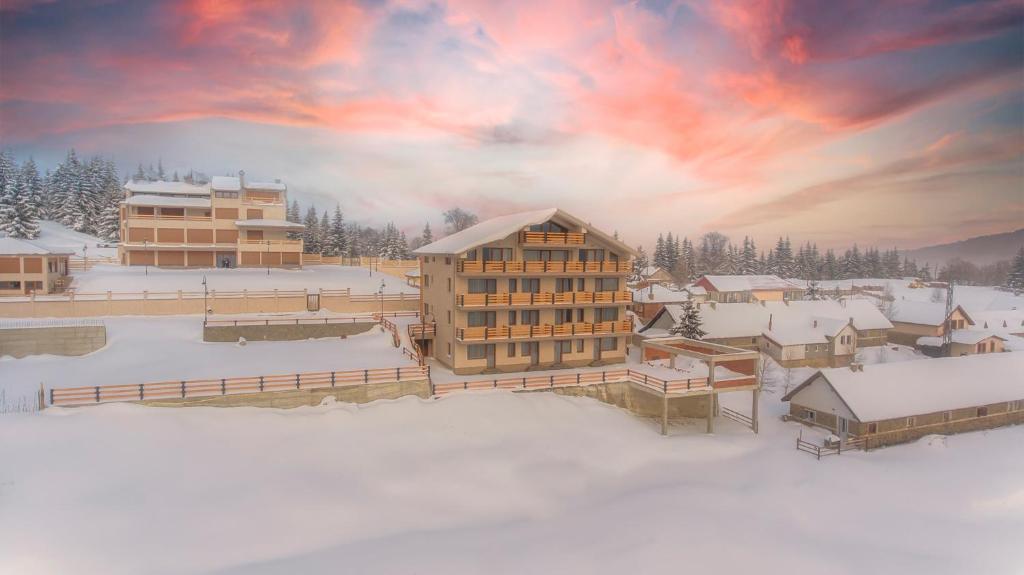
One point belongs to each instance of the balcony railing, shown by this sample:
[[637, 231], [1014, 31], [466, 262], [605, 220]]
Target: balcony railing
[[561, 238], [538, 267], [169, 217], [271, 242], [542, 298], [511, 332]]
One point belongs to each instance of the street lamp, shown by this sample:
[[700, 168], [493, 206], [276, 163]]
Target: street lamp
[[380, 292], [206, 307], [85, 256], [268, 257], [145, 248]]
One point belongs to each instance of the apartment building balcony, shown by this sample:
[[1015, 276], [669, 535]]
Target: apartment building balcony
[[165, 245], [270, 246], [552, 238], [547, 331], [540, 267], [573, 298]]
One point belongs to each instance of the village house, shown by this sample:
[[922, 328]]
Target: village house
[[654, 275], [229, 222], [531, 290], [27, 267], [819, 333], [963, 342], [913, 320], [898, 402], [753, 288], [650, 299]]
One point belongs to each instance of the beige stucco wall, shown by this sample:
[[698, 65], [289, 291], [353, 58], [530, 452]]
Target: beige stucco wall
[[55, 340]]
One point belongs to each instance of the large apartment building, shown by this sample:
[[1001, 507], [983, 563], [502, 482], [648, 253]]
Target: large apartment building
[[531, 290], [227, 223]]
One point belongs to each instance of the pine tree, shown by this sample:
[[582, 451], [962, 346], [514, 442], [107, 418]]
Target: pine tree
[[1015, 279], [830, 267], [813, 292], [324, 229], [175, 177], [639, 265], [311, 235], [160, 170], [748, 258], [689, 258], [34, 186], [355, 244], [689, 324], [337, 243], [659, 252], [64, 189], [16, 214], [140, 174], [428, 236]]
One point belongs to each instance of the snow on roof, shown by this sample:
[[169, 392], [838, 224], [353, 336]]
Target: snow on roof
[[501, 227], [1000, 321], [161, 187], [750, 283], [276, 186], [865, 313], [920, 312], [413, 273], [226, 183], [283, 224], [167, 201], [18, 247], [696, 290], [656, 293], [961, 336], [901, 389]]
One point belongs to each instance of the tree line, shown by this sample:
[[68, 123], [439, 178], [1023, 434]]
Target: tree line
[[714, 253]]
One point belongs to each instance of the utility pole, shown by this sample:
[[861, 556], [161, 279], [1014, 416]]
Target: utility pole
[[947, 334]]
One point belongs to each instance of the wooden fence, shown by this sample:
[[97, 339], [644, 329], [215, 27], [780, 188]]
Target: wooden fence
[[232, 386], [76, 304], [656, 384]]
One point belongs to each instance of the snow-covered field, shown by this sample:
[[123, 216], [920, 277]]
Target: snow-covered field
[[489, 482], [149, 349], [60, 238], [136, 279], [972, 298]]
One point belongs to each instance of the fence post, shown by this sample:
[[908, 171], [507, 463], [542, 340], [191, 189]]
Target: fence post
[[298, 384], [223, 387], [183, 389], [332, 379], [261, 384], [97, 394], [51, 396], [366, 376], [551, 381], [524, 383], [398, 374], [142, 393]]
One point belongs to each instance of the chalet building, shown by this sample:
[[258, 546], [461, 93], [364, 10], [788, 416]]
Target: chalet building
[[655, 275], [898, 402], [824, 333], [532, 290], [27, 267], [963, 342], [745, 289], [913, 320], [652, 298], [227, 223]]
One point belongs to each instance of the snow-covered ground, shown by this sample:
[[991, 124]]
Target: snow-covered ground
[[490, 482], [59, 238], [972, 298], [150, 349], [136, 279], [778, 379]]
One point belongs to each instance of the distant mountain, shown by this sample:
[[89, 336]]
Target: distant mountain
[[980, 250]]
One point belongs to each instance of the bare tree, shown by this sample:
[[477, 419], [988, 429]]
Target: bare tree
[[458, 219]]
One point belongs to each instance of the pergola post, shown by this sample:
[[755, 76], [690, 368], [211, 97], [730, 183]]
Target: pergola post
[[711, 396], [664, 415], [753, 409]]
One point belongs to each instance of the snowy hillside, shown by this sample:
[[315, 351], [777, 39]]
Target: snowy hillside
[[58, 237]]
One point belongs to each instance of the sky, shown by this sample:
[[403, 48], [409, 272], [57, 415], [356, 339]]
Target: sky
[[884, 123]]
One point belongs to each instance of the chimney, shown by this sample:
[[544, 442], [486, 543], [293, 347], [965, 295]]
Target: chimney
[[241, 178]]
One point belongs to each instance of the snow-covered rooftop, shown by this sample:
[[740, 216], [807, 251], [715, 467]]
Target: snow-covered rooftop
[[750, 283], [657, 293], [275, 186], [281, 224], [501, 227], [1000, 321], [961, 336], [167, 201], [180, 188], [905, 388], [226, 183], [919, 312], [18, 247]]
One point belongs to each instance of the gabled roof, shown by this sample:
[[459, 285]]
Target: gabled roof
[[923, 312], [730, 283], [226, 183], [178, 188], [657, 293], [501, 227], [19, 247], [961, 336], [916, 387]]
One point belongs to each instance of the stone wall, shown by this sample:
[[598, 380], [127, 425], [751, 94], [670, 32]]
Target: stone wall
[[361, 393], [638, 400], [288, 332], [73, 339]]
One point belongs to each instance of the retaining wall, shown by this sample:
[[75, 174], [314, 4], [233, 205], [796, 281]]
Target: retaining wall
[[639, 401], [54, 340], [361, 393], [228, 333]]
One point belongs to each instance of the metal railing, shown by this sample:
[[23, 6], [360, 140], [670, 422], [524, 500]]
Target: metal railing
[[542, 298], [540, 331], [538, 267]]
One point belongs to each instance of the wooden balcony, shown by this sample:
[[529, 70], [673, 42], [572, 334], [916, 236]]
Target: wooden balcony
[[422, 331], [270, 245], [552, 238], [565, 330], [474, 300], [170, 218], [537, 267]]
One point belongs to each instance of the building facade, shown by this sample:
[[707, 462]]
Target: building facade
[[533, 290], [227, 223], [745, 289], [26, 268]]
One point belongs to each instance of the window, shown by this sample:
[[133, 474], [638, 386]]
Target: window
[[579, 346], [565, 345], [483, 286], [911, 421], [497, 254], [426, 309], [581, 284], [808, 415], [982, 411], [579, 315], [512, 285], [512, 317], [947, 416], [1015, 405], [471, 255], [526, 348], [548, 227], [10, 285], [980, 348], [872, 428], [546, 255], [448, 260], [511, 350], [563, 316], [753, 341], [476, 351], [426, 280], [563, 285], [530, 317], [609, 343], [449, 284], [591, 255], [531, 285], [480, 319], [606, 284], [606, 314]]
